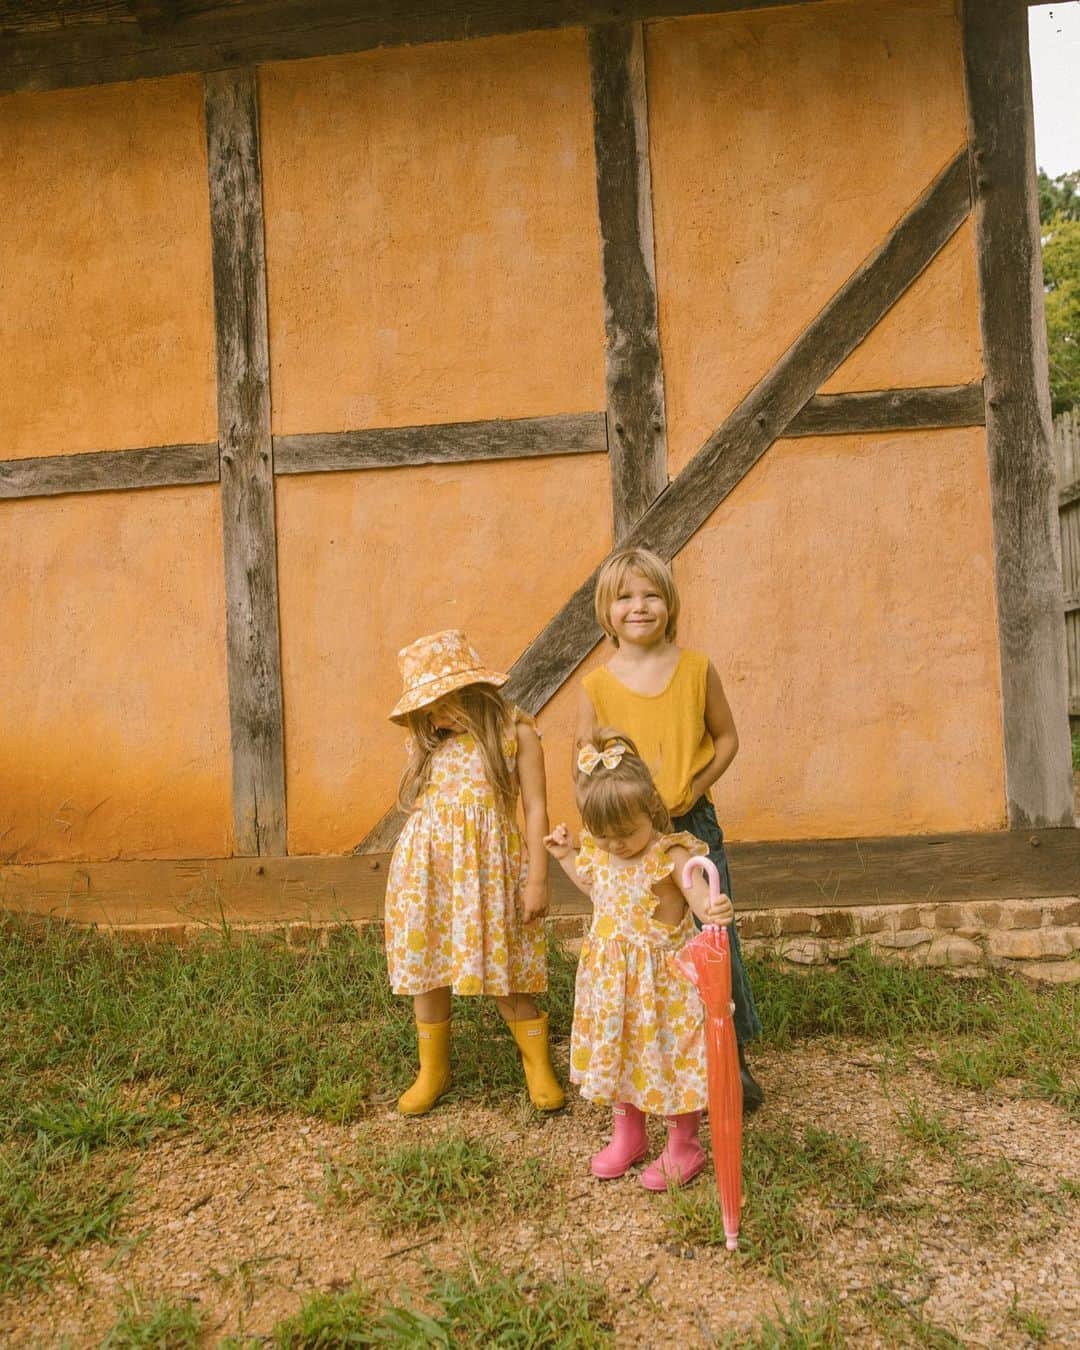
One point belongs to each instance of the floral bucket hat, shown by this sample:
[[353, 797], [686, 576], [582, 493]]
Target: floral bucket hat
[[436, 665]]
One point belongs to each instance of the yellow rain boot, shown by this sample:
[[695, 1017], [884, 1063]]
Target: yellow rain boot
[[433, 1043], [532, 1041]]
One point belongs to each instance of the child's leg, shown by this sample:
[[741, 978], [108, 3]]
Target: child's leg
[[682, 1158], [432, 1012], [629, 1143], [530, 1030]]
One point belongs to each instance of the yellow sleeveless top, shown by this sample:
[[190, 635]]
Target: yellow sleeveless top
[[668, 728]]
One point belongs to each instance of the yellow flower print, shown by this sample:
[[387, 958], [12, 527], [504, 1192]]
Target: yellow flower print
[[604, 926], [416, 941], [582, 1056], [470, 984]]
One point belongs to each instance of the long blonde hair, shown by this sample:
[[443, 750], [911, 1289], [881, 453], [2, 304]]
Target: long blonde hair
[[609, 800], [484, 714]]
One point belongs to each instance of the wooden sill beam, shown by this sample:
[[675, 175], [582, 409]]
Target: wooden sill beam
[[817, 874]]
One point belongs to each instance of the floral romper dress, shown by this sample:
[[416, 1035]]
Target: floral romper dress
[[639, 1024], [453, 893]]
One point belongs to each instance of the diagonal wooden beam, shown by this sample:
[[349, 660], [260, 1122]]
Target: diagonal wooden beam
[[734, 448], [1027, 564], [247, 469], [637, 431]]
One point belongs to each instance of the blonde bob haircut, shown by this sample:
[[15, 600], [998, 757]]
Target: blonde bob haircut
[[611, 800], [613, 576]]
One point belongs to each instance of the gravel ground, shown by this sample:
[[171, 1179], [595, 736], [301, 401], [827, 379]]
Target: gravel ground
[[235, 1222]]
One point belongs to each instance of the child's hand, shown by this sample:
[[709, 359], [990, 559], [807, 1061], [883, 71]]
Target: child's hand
[[558, 843], [720, 911], [534, 901]]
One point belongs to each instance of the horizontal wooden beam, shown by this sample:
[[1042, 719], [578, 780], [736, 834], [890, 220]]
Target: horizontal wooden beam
[[822, 873], [109, 470], [1069, 494], [1072, 601], [959, 405], [450, 442], [220, 36]]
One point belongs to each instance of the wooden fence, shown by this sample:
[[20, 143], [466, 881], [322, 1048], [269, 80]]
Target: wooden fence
[[1067, 458]]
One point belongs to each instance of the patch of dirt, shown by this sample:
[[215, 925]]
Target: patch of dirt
[[235, 1222]]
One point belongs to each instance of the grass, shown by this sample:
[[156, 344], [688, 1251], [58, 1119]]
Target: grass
[[979, 1031], [108, 1045], [165, 1324], [929, 1129], [469, 1310], [437, 1181], [796, 1328], [52, 1201], [782, 1170]]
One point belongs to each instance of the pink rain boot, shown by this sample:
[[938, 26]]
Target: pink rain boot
[[628, 1143], [681, 1160]]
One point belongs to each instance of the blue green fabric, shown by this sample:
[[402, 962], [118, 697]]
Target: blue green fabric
[[701, 822]]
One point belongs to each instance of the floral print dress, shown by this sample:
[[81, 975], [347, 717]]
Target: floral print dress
[[639, 1024], [452, 896]]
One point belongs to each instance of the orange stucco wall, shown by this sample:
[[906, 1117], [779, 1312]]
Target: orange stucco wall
[[114, 738], [431, 235], [370, 561], [432, 256], [107, 320], [845, 587]]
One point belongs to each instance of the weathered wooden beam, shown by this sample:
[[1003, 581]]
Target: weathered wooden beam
[[1023, 490], [734, 448], [637, 422], [225, 35], [1069, 494], [109, 470], [247, 471], [1071, 601], [393, 447], [959, 405], [818, 874]]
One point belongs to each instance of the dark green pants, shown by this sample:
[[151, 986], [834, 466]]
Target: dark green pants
[[701, 822]]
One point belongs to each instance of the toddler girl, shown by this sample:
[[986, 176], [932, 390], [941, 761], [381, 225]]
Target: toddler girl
[[464, 893], [638, 1038], [671, 701]]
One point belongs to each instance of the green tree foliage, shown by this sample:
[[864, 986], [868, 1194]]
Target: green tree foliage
[[1059, 197], [1059, 212]]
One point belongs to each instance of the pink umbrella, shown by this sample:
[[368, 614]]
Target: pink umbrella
[[706, 961]]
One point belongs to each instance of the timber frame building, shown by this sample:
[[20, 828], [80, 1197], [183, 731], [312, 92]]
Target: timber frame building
[[328, 324]]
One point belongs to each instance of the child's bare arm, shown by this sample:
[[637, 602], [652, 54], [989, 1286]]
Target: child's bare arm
[[584, 728], [697, 894], [533, 784], [561, 847], [720, 725]]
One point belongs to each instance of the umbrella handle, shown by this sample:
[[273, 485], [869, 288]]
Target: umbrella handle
[[707, 866]]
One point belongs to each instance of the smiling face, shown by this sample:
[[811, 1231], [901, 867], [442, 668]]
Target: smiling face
[[639, 612], [635, 839]]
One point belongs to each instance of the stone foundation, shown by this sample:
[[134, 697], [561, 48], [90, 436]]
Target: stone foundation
[[1036, 938]]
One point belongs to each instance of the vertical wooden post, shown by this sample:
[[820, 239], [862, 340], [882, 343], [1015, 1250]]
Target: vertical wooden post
[[1038, 771], [637, 431], [247, 471]]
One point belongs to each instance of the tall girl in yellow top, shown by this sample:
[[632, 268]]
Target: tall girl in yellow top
[[466, 893], [672, 702], [639, 1028]]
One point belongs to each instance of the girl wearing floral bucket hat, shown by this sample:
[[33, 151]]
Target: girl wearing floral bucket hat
[[466, 891]]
